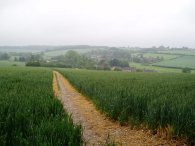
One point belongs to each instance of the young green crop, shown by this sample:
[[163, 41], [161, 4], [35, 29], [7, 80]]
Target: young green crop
[[29, 112], [156, 100], [180, 62]]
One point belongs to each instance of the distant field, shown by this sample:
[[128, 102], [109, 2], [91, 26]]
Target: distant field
[[156, 68], [181, 62], [184, 52], [11, 63], [62, 52], [165, 56]]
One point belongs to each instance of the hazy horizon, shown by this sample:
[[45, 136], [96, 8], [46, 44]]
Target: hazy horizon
[[133, 23], [171, 47]]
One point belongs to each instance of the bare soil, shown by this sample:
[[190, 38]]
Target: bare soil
[[97, 128]]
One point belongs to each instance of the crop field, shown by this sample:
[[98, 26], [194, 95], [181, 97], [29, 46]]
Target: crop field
[[165, 56], [181, 52], [156, 68], [165, 101], [180, 62], [30, 114]]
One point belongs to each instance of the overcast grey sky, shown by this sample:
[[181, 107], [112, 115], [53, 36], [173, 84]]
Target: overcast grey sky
[[98, 22]]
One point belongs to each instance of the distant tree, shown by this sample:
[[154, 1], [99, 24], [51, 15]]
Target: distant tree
[[124, 63], [15, 59], [86, 62], [76, 60], [4, 56], [137, 60], [35, 57], [186, 70], [33, 63], [103, 65], [119, 63], [72, 58], [141, 56], [114, 62], [22, 59]]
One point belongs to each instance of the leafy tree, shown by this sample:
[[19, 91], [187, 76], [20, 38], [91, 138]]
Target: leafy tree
[[33, 63], [119, 63], [186, 70], [36, 57], [115, 62], [124, 63], [72, 58], [22, 59], [103, 65], [4, 56]]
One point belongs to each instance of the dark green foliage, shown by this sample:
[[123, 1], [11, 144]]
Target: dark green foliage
[[71, 59], [33, 63], [76, 60], [30, 114], [186, 70], [103, 65], [4, 56], [119, 63], [157, 100]]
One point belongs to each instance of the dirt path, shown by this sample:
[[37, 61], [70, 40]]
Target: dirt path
[[96, 127]]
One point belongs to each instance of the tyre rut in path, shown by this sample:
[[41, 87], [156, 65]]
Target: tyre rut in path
[[96, 126]]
